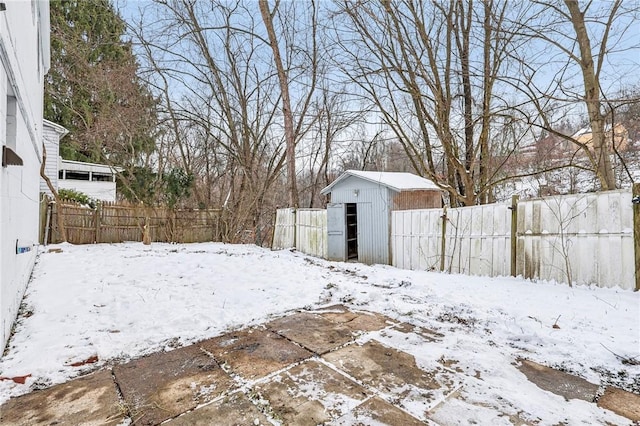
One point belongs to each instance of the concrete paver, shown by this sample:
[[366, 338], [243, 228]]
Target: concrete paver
[[232, 410], [89, 400], [254, 353], [357, 322], [337, 313], [367, 322], [302, 369], [396, 375], [425, 333], [312, 331], [379, 412], [621, 402], [311, 393], [163, 385], [456, 411], [558, 382]]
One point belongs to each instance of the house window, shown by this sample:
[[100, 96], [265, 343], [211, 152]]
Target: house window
[[77, 175], [101, 177], [11, 122]]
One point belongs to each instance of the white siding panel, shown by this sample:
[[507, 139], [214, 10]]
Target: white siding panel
[[21, 75], [99, 190]]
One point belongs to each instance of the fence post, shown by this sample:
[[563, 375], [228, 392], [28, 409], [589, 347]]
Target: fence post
[[146, 229], [443, 244], [635, 194], [514, 234], [44, 204], [295, 228], [97, 215]]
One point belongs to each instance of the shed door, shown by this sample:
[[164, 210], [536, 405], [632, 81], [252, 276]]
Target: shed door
[[336, 239]]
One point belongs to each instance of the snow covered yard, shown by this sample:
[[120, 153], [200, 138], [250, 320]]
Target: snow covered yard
[[117, 302]]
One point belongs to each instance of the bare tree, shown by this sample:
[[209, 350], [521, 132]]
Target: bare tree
[[592, 90], [287, 113], [336, 115], [299, 39], [432, 69], [571, 51], [218, 107]]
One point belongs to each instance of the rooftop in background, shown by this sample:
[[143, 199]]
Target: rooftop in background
[[87, 167], [397, 181]]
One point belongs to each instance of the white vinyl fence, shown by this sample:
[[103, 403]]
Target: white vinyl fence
[[284, 234], [578, 239], [476, 240], [304, 229], [311, 232], [581, 238]]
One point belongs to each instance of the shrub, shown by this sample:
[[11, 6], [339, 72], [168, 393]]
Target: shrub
[[77, 196]]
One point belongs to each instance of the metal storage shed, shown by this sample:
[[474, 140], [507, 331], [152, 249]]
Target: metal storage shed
[[359, 212]]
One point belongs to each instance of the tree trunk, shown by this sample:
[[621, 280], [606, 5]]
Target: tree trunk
[[61, 229], [604, 169], [289, 135]]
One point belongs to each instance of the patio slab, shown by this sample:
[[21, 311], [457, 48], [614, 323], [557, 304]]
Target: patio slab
[[312, 331], [456, 411], [357, 322], [621, 402], [395, 375], [254, 353], [232, 410], [379, 412], [425, 333], [337, 313], [332, 380], [164, 385], [310, 393], [558, 382], [90, 399], [366, 322]]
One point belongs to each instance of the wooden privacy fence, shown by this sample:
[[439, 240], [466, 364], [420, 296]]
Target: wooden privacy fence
[[118, 222], [302, 229], [577, 239]]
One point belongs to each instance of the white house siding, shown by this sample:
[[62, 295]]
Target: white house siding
[[52, 133], [24, 59], [104, 191]]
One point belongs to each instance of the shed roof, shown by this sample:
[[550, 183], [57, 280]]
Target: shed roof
[[62, 131], [396, 181], [81, 166]]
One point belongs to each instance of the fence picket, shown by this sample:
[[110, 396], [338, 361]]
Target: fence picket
[[584, 238], [113, 223]]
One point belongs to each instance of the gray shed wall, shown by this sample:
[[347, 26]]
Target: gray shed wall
[[374, 207]]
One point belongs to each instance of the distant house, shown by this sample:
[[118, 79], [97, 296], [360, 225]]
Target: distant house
[[620, 136], [52, 133], [24, 61], [359, 212], [98, 181]]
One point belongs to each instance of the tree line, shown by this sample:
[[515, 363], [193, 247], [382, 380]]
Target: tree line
[[248, 105]]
